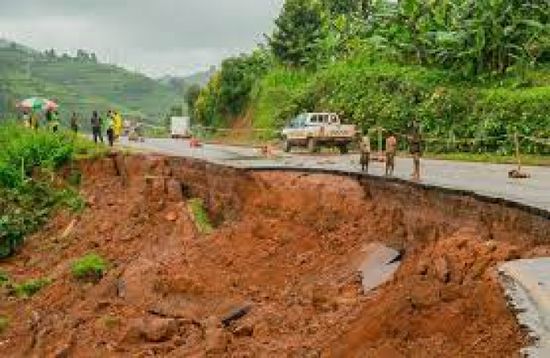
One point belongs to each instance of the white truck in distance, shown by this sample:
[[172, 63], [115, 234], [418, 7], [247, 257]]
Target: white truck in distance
[[314, 130], [180, 127]]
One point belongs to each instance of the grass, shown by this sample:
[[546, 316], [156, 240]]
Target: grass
[[527, 159], [86, 149], [200, 215], [90, 267], [24, 289], [4, 324], [31, 287]]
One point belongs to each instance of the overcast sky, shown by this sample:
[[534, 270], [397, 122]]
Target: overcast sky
[[157, 37]]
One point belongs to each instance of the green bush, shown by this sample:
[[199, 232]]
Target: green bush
[[90, 267], [202, 221], [28, 160], [276, 97], [30, 288], [22, 211]]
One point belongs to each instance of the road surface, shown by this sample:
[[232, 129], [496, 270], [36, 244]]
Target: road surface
[[489, 180], [527, 283]]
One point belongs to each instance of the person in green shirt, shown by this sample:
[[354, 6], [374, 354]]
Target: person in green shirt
[[110, 129]]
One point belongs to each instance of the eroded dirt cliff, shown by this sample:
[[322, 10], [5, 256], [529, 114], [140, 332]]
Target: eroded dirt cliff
[[283, 256]]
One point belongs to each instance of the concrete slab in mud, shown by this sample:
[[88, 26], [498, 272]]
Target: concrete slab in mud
[[378, 265], [527, 284]]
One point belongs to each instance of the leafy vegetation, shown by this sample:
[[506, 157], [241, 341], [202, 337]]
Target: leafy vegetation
[[24, 289], [90, 267], [31, 287], [298, 33], [473, 74], [202, 221], [4, 278], [28, 161], [229, 91], [191, 96]]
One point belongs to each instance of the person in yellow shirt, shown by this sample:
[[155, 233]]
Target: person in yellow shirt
[[117, 124]]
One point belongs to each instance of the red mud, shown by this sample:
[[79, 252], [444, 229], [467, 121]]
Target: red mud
[[286, 246]]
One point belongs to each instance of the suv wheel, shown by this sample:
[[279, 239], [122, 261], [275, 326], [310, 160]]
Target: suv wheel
[[286, 145], [311, 145], [343, 148]]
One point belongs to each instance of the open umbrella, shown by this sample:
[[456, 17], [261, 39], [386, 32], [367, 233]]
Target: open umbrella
[[36, 103]]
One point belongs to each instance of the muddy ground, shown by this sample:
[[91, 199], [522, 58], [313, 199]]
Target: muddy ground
[[284, 253]]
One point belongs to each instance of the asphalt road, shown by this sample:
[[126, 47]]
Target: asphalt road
[[486, 179]]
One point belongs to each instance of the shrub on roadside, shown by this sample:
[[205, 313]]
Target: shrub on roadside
[[90, 267], [27, 197], [31, 287]]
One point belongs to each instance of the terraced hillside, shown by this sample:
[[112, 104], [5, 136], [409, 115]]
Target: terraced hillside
[[80, 84]]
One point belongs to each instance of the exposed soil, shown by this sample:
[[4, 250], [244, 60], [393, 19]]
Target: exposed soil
[[283, 256]]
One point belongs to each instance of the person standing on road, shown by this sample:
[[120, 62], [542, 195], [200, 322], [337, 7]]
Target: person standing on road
[[391, 149], [117, 124], [364, 147], [415, 144], [110, 130], [96, 127], [74, 123]]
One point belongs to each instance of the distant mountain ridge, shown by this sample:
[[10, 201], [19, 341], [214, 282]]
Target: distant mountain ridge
[[200, 78], [5, 43]]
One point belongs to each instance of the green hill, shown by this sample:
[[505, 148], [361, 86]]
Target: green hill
[[80, 84]]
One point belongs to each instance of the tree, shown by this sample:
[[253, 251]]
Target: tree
[[176, 111], [82, 55], [346, 7], [191, 96], [297, 30], [50, 54]]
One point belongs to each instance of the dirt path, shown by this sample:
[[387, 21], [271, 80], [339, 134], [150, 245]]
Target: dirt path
[[283, 255]]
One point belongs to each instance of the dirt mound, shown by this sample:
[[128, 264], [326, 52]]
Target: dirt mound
[[278, 276]]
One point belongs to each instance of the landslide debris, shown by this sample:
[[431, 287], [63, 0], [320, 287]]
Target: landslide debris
[[276, 275]]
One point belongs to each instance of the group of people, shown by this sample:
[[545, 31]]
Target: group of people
[[415, 148], [32, 119], [111, 126]]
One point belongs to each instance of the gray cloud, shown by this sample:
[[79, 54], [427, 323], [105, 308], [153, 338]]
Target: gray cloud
[[153, 36]]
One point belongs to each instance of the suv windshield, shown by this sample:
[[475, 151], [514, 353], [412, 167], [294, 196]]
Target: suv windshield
[[298, 121]]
